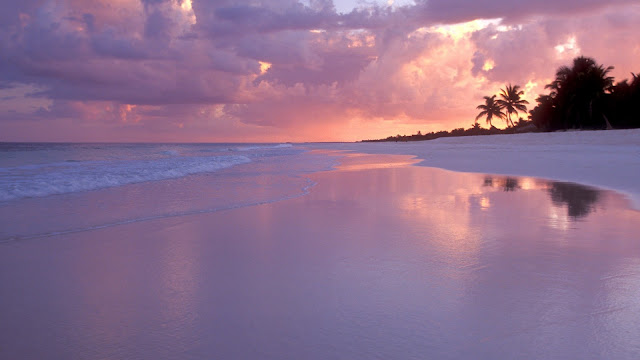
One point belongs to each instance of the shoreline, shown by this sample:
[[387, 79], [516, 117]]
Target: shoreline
[[378, 256], [607, 159]]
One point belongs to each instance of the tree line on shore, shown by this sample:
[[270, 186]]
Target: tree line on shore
[[582, 96]]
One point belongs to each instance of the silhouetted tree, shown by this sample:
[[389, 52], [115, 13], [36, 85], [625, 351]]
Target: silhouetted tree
[[579, 94], [623, 103], [512, 102], [544, 114], [490, 108]]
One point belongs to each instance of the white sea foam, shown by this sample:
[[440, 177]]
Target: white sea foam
[[60, 178], [91, 191]]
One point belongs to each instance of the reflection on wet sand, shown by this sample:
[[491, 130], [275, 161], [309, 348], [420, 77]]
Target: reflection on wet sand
[[510, 184], [378, 260], [580, 200], [506, 183]]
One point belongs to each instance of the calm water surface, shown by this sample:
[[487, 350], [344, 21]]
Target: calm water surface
[[378, 260]]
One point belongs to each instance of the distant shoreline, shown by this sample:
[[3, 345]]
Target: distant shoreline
[[521, 127], [608, 159]]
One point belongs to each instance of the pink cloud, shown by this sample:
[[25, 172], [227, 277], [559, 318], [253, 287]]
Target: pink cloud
[[216, 71]]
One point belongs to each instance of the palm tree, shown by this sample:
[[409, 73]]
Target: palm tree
[[623, 103], [580, 92], [543, 114], [490, 108], [511, 101]]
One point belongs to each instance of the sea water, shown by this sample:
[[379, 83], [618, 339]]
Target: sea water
[[48, 188], [273, 258]]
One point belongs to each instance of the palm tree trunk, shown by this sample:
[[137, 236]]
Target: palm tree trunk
[[606, 121]]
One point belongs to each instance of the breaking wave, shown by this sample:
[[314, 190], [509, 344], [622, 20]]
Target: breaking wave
[[61, 178]]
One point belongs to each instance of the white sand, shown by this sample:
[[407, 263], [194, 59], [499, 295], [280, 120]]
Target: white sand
[[605, 159]]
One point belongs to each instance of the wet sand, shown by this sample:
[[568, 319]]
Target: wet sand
[[379, 260], [608, 159]]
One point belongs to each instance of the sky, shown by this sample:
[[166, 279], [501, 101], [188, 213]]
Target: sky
[[286, 70]]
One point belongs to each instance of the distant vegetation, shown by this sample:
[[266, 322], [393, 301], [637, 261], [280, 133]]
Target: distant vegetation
[[582, 96], [520, 126]]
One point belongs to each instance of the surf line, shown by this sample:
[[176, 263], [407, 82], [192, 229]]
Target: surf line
[[305, 190]]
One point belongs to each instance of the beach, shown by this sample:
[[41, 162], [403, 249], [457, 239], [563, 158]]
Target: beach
[[310, 251], [607, 159], [319, 180]]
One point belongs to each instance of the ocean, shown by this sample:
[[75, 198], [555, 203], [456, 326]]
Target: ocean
[[290, 251], [134, 182]]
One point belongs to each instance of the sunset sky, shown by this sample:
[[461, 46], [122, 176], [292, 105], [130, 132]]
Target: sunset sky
[[286, 70]]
